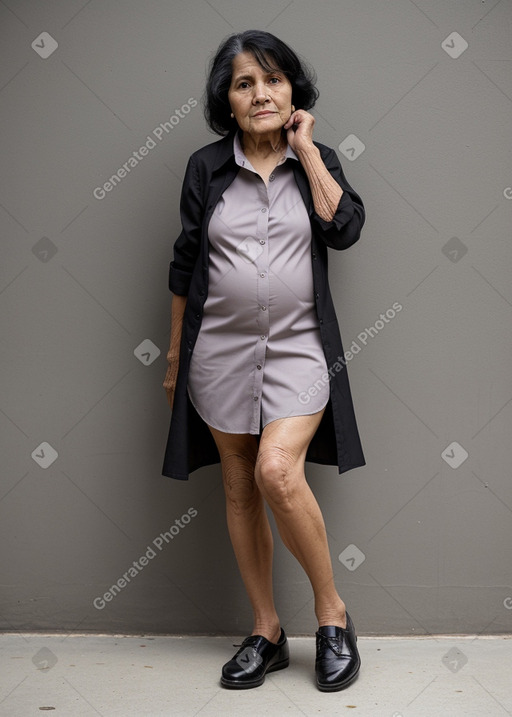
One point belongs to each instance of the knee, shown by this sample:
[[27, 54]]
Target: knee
[[274, 475], [242, 493]]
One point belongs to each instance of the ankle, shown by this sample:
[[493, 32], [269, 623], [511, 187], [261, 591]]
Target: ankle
[[332, 615], [270, 630]]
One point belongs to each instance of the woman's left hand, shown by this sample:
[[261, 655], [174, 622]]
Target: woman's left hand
[[300, 138]]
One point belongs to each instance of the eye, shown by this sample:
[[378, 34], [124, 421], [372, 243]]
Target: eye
[[275, 80], [243, 85]]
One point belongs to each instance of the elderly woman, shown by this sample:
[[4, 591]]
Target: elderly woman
[[257, 377]]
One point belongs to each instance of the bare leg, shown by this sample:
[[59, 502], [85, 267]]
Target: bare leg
[[248, 527], [280, 477]]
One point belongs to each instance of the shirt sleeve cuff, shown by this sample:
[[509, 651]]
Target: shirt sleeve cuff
[[179, 280], [343, 214]]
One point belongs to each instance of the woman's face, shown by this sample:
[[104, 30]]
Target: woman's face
[[261, 101]]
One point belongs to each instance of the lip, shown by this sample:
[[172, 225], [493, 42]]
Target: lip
[[264, 113]]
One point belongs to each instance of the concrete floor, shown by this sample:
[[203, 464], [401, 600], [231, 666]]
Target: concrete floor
[[90, 675]]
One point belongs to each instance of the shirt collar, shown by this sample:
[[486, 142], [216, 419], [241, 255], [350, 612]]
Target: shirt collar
[[241, 159]]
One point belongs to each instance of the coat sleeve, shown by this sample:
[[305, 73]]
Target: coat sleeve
[[186, 247], [345, 227]]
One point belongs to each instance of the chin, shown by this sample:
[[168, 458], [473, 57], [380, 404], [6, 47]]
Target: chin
[[260, 126]]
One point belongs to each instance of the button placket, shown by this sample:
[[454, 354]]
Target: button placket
[[262, 298]]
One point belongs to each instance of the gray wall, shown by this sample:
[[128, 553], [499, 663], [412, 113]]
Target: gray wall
[[423, 530]]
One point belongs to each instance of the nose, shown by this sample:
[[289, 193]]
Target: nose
[[260, 94]]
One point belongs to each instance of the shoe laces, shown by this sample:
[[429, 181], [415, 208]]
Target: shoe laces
[[333, 643], [248, 642]]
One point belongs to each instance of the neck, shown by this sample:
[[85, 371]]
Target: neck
[[263, 145]]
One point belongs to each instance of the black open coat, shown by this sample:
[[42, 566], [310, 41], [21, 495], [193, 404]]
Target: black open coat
[[210, 170]]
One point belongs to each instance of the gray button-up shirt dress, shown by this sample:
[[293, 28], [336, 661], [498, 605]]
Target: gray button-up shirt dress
[[260, 338], [259, 348]]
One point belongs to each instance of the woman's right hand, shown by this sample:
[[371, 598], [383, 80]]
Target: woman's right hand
[[170, 378]]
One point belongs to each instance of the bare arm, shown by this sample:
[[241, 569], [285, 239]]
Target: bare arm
[[339, 212], [178, 304], [325, 189]]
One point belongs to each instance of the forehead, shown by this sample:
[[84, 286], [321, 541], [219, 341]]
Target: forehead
[[245, 63]]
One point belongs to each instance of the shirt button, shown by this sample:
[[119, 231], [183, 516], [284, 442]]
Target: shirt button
[[258, 367], [262, 241], [255, 398], [271, 178], [262, 276], [263, 210], [263, 308], [263, 337]]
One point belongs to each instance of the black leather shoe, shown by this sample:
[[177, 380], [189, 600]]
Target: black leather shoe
[[337, 659], [254, 659]]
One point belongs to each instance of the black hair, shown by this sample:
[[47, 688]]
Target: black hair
[[266, 48]]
